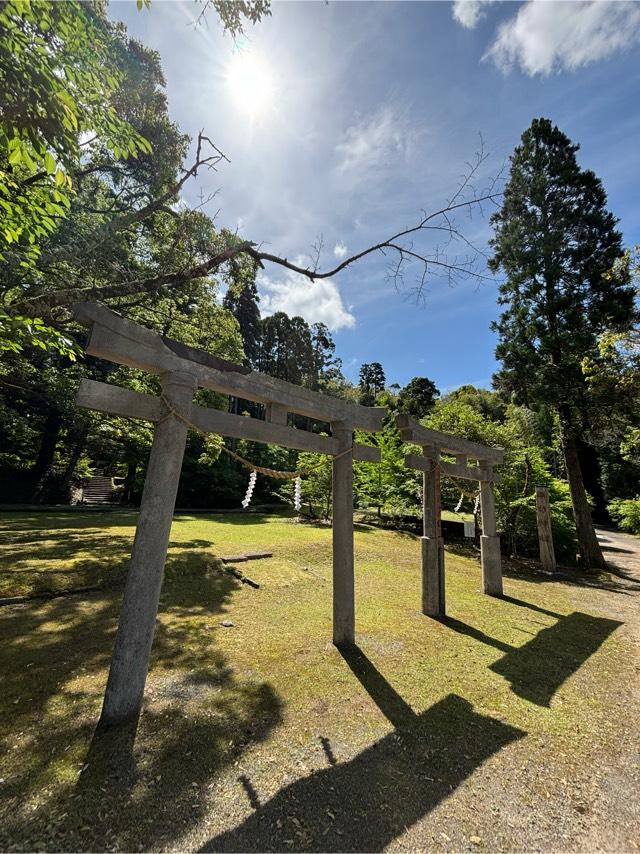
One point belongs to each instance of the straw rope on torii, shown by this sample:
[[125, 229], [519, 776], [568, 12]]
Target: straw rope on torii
[[275, 473], [182, 371]]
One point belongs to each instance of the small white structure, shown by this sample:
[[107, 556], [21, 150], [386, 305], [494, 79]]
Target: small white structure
[[433, 443], [182, 370]]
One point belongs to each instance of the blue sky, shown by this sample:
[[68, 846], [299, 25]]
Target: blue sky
[[370, 112]]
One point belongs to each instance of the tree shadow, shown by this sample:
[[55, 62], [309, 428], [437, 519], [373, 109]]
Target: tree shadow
[[135, 791], [367, 802], [540, 666]]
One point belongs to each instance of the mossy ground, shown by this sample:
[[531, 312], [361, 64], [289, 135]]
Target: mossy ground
[[489, 724]]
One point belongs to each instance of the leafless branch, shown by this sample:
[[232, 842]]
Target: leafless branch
[[402, 250]]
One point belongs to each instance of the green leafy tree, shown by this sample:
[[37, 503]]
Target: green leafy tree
[[555, 241], [372, 382], [418, 397], [389, 486], [59, 71]]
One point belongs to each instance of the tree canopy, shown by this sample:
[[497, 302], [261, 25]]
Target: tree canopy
[[557, 243]]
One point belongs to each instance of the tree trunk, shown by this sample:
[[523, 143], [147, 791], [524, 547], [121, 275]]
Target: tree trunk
[[78, 448], [588, 544], [130, 480], [44, 460], [591, 474]]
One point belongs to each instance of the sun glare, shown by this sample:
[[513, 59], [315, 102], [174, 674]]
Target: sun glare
[[250, 84]]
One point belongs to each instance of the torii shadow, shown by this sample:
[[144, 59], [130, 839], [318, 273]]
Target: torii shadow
[[539, 667], [363, 804]]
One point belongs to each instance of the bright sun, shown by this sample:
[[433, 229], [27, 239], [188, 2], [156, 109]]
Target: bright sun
[[250, 83]]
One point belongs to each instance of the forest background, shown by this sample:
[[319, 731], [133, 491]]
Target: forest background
[[90, 180]]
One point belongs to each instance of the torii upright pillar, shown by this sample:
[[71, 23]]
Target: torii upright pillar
[[433, 584], [182, 370], [433, 444], [489, 541], [344, 619]]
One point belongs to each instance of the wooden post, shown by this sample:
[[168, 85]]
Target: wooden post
[[433, 586], [545, 533], [489, 541], [343, 561], [130, 662]]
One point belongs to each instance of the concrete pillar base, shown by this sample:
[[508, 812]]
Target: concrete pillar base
[[491, 565]]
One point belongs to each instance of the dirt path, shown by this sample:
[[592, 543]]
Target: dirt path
[[621, 550]]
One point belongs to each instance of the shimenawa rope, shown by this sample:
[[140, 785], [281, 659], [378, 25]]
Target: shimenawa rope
[[279, 475]]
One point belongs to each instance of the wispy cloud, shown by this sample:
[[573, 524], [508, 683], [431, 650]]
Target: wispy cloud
[[340, 250], [545, 37], [469, 12], [377, 140], [316, 302]]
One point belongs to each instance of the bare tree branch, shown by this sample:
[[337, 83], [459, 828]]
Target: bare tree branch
[[399, 249]]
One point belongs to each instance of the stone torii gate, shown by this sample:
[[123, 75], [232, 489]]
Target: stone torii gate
[[433, 443], [182, 370]]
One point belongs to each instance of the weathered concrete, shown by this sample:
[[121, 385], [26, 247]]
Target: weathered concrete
[[490, 542], [127, 343], [432, 443], [343, 560], [491, 565], [545, 533], [413, 461], [130, 662], [414, 432], [134, 404], [433, 570]]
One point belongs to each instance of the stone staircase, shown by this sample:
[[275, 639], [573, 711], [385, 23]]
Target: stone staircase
[[99, 490]]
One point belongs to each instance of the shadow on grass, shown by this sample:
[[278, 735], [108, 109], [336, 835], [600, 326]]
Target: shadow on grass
[[530, 570], [105, 567], [198, 718], [365, 803], [539, 667]]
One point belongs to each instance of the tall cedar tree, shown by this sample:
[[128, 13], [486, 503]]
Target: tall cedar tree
[[242, 302], [556, 242]]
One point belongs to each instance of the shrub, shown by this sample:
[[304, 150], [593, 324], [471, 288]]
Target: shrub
[[626, 512]]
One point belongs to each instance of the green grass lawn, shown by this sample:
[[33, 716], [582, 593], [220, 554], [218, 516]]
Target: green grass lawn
[[268, 712]]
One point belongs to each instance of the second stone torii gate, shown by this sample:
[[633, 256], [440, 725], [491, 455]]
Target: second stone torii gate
[[182, 370], [433, 443]]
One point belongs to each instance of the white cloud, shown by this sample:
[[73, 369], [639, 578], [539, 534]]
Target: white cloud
[[379, 140], [340, 250], [317, 302], [552, 36], [469, 12]]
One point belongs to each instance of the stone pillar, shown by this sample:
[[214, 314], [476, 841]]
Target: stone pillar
[[130, 661], [343, 563], [489, 541], [433, 585], [545, 534]]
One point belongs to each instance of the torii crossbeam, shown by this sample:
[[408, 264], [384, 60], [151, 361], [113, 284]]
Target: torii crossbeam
[[182, 370], [433, 443]]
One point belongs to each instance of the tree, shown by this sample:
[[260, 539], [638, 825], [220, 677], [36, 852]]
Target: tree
[[418, 397], [372, 382], [242, 301], [555, 241], [67, 78]]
